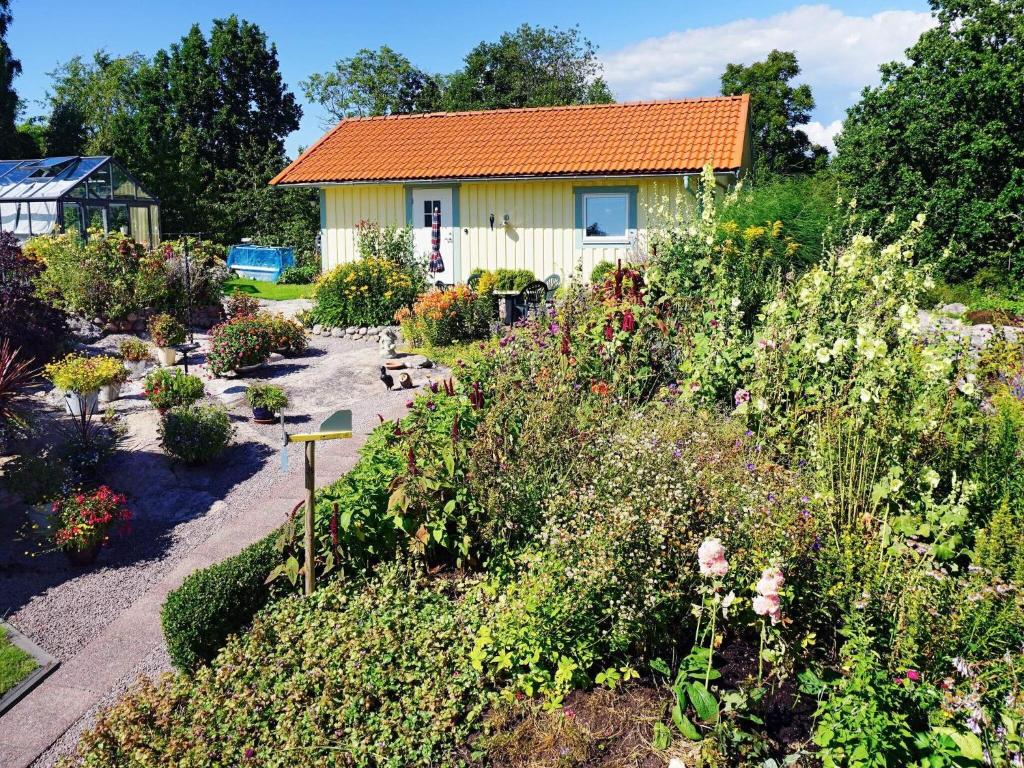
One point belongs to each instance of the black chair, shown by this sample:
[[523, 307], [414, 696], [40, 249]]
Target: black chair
[[441, 285], [532, 298]]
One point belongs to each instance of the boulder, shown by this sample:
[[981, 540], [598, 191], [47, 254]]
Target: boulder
[[317, 329], [338, 332], [953, 309], [86, 332]]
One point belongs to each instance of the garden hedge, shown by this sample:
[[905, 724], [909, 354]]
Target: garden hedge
[[216, 602]]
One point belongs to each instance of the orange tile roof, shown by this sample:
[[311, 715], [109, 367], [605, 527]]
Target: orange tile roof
[[599, 139]]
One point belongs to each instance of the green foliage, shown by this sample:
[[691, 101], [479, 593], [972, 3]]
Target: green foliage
[[601, 271], [368, 291], [959, 161], [167, 331], [529, 67], [195, 434], [134, 350], [805, 206], [27, 322], [299, 275], [390, 243], [214, 603], [380, 82], [375, 674], [168, 388], [778, 110]]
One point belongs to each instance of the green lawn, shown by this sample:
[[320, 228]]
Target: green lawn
[[264, 290], [15, 664]]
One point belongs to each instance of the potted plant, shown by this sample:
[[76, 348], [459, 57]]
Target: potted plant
[[81, 379], [240, 345], [166, 332], [167, 389], [112, 374], [136, 356], [266, 401], [82, 522]]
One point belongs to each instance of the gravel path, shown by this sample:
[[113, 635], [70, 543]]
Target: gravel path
[[184, 518]]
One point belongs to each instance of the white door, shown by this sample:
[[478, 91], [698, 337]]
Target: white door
[[423, 203]]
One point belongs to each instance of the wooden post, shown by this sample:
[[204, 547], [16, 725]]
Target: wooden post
[[310, 502]]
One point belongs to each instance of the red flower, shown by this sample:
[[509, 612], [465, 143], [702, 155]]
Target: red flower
[[628, 321]]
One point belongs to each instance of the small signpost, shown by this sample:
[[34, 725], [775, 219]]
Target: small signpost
[[337, 426]]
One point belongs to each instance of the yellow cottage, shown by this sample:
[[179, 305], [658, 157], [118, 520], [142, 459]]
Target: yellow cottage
[[548, 189]]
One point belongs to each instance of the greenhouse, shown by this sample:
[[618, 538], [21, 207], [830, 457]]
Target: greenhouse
[[74, 194]]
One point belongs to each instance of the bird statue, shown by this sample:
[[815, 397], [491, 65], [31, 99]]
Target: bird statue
[[405, 380], [427, 363], [386, 377]]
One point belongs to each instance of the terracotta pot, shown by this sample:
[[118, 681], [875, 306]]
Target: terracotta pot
[[167, 356], [82, 557], [75, 402]]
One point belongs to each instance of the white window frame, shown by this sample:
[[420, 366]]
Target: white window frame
[[623, 239]]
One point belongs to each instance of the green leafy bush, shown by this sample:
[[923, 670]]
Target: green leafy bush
[[601, 272], [287, 336], [440, 318], [195, 434], [216, 602], [166, 330], [27, 322], [266, 396], [365, 292], [379, 674], [500, 279], [134, 350], [168, 388], [298, 275]]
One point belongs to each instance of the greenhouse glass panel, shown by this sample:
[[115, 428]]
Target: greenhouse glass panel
[[72, 219], [96, 218], [140, 224], [43, 217], [99, 184], [123, 185], [154, 221], [117, 218]]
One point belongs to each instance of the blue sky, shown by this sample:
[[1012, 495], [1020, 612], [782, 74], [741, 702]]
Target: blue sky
[[650, 48]]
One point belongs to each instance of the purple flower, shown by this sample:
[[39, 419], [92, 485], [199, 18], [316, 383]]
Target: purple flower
[[554, 329], [741, 396]]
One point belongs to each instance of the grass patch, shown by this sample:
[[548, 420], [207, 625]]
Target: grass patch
[[261, 289], [15, 664]]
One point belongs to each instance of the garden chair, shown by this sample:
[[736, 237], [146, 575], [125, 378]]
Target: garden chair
[[552, 282], [532, 297]]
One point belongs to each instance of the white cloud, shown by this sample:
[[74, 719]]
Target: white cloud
[[838, 53], [825, 135]]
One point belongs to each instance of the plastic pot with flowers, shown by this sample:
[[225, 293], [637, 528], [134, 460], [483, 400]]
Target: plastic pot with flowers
[[166, 332], [82, 522], [266, 401], [239, 344], [82, 377]]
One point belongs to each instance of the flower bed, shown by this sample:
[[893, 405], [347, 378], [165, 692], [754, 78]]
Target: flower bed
[[239, 342]]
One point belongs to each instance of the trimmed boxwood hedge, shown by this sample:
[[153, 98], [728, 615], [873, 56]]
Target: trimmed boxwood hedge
[[216, 602]]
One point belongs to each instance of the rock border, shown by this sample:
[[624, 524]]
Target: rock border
[[355, 332]]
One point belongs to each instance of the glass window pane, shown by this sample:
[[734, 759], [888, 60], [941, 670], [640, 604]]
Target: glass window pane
[[606, 215], [123, 186], [99, 184], [72, 218], [117, 218], [140, 224], [154, 223], [78, 191], [95, 218], [44, 217]]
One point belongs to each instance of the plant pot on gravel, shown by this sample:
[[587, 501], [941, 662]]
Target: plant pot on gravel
[[239, 345], [82, 522], [266, 401], [81, 378], [166, 332]]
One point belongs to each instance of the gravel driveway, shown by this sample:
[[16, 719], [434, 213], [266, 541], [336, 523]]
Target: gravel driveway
[[178, 510]]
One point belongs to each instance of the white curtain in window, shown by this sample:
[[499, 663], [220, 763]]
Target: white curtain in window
[[44, 218]]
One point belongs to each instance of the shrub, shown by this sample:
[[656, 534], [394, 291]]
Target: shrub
[[195, 434], [238, 342], [439, 318], [216, 602], [16, 373], [134, 350], [168, 388], [166, 330], [365, 292], [299, 275], [601, 271], [287, 336], [379, 672], [390, 243], [241, 304], [207, 273], [26, 322]]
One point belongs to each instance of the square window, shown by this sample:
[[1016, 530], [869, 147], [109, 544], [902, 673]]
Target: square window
[[605, 217]]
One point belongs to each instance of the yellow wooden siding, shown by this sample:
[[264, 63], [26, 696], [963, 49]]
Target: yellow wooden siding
[[541, 236]]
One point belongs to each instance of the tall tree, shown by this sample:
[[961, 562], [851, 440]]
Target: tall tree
[[943, 135], [380, 82], [778, 109], [530, 67], [14, 143]]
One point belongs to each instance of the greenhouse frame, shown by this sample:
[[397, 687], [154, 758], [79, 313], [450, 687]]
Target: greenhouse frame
[[75, 194]]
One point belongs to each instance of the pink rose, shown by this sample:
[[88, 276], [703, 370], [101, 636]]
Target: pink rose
[[711, 556]]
